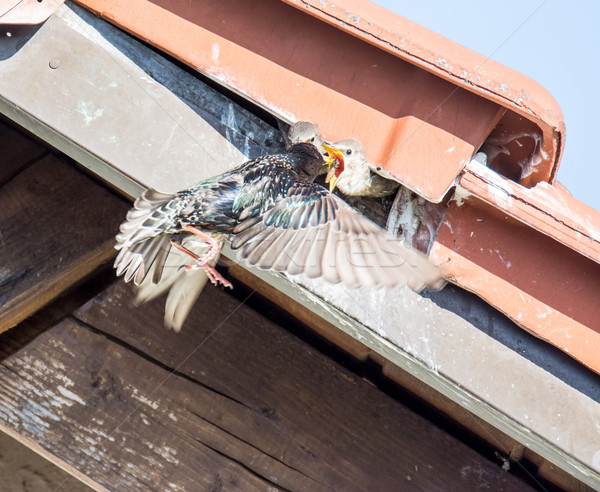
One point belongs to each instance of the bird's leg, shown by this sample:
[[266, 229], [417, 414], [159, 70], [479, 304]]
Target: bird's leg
[[213, 246], [203, 261]]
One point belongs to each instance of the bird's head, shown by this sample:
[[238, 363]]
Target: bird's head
[[304, 131], [306, 159], [344, 156]]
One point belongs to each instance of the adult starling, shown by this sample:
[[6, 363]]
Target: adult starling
[[277, 219], [354, 176]]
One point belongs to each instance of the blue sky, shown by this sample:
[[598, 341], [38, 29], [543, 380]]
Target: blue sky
[[555, 43]]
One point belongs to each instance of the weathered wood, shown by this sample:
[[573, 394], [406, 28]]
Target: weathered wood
[[27, 467], [57, 225], [232, 402], [506, 446], [16, 151], [301, 313]]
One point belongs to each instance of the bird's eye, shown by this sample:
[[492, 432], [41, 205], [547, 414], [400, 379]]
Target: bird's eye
[[312, 139], [349, 151]]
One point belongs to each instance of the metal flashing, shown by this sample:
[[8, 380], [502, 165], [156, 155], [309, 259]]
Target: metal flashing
[[27, 12]]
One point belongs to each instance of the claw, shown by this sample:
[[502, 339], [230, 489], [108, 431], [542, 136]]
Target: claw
[[216, 278], [203, 261]]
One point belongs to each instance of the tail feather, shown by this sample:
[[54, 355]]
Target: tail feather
[[183, 286], [146, 257]]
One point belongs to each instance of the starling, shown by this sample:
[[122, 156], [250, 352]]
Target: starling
[[277, 218], [354, 176], [304, 131]]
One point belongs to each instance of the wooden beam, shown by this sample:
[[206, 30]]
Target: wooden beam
[[17, 151], [57, 226], [232, 401]]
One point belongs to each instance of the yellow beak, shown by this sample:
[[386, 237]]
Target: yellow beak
[[332, 179], [335, 160], [334, 154]]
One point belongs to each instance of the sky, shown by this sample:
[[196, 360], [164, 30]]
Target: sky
[[556, 43]]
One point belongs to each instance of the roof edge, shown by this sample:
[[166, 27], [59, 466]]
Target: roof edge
[[444, 58]]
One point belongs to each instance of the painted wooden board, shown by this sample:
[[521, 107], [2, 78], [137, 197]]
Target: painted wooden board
[[56, 226], [441, 346], [232, 402]]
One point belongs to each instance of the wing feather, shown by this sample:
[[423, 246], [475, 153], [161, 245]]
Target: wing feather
[[310, 231]]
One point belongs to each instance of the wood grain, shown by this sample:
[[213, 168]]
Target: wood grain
[[16, 151], [56, 226], [232, 402]]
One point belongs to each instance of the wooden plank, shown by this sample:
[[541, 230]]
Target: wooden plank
[[433, 339], [17, 151], [232, 402], [57, 225], [301, 313], [507, 447], [22, 471]]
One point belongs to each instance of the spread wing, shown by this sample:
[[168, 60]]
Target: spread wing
[[310, 231]]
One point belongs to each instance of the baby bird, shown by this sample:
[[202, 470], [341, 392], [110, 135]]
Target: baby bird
[[304, 131], [357, 177], [354, 176]]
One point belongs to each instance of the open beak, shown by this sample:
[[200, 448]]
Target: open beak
[[336, 165]]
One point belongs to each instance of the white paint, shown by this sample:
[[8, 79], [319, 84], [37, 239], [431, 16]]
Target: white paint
[[556, 200], [89, 111], [168, 454], [506, 263], [460, 195], [69, 394], [215, 51], [544, 314], [141, 398]]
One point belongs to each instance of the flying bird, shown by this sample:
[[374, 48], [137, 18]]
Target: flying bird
[[277, 218]]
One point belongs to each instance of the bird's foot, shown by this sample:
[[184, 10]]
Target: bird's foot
[[216, 278], [203, 261]]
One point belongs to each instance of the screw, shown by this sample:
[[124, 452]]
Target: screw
[[54, 63]]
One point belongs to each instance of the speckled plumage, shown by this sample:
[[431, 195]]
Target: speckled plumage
[[212, 205], [277, 219]]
